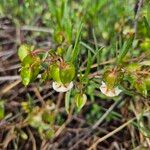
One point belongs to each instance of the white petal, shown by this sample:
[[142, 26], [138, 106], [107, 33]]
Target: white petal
[[103, 88], [110, 93], [117, 90], [59, 87]]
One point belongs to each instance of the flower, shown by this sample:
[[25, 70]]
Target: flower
[[109, 92], [59, 87]]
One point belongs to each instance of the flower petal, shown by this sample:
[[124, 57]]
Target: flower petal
[[59, 87], [109, 92], [117, 90]]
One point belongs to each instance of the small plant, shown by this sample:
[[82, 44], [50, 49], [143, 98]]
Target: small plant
[[85, 70]]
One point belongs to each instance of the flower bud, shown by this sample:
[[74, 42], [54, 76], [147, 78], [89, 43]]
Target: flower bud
[[62, 73], [112, 78], [67, 73], [80, 100]]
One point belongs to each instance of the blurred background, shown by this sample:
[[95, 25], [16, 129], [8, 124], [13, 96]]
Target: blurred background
[[54, 24]]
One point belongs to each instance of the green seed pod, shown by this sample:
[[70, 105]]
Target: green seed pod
[[109, 78], [67, 73], [80, 100], [112, 78]]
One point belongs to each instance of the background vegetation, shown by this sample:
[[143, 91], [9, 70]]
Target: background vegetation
[[95, 35]]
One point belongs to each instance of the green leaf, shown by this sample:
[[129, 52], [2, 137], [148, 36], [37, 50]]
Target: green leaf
[[125, 49], [2, 109], [26, 75], [88, 47], [68, 54], [88, 68], [76, 48], [147, 26], [54, 71], [48, 117], [143, 125], [30, 102], [44, 76], [23, 51], [67, 101], [28, 60], [43, 56], [35, 69], [97, 53]]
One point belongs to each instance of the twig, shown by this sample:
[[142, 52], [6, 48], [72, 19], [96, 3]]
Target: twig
[[9, 137], [8, 52], [7, 78], [110, 134], [101, 119], [103, 63], [29, 28], [37, 93], [105, 114], [68, 119], [9, 87], [17, 66], [32, 139], [113, 132]]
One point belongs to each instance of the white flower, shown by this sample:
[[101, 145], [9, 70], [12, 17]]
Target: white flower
[[109, 92], [59, 87]]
